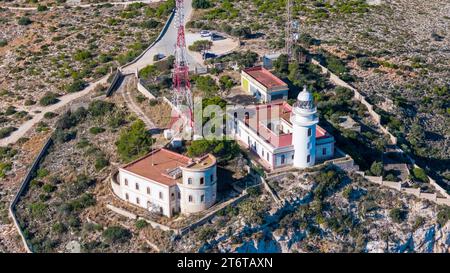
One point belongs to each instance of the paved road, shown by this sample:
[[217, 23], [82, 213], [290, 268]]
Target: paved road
[[85, 5], [166, 45]]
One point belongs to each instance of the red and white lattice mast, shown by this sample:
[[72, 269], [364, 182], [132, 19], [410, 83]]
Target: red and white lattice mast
[[182, 96]]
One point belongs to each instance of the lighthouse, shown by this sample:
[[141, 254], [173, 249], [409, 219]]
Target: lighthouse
[[304, 120]]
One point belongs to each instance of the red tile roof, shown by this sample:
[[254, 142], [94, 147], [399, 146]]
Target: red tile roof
[[284, 112], [264, 77], [156, 164]]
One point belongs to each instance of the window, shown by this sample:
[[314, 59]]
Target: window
[[283, 159], [190, 198], [308, 158], [160, 195], [179, 195], [292, 157], [202, 180], [212, 178], [309, 131], [126, 182], [190, 181], [161, 210], [268, 157], [137, 200], [248, 141], [262, 152], [202, 198], [308, 146], [172, 196], [137, 186], [148, 190], [127, 197], [324, 151]]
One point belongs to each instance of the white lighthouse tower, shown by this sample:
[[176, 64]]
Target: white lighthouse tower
[[304, 120]]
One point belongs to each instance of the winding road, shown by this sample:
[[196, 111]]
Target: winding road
[[165, 45]]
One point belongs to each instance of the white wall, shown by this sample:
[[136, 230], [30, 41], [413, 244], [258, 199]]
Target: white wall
[[196, 190], [141, 193]]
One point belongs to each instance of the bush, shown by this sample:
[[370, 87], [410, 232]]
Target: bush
[[376, 168], [397, 215], [206, 233], [201, 4], [50, 115], [59, 228], [4, 167], [420, 175], [3, 42], [23, 21], [100, 108], [200, 45], [75, 86], [29, 102], [116, 234], [134, 142], [6, 132], [49, 98], [101, 162], [96, 130], [443, 215], [141, 223], [223, 149], [151, 24], [37, 209], [48, 188], [42, 8], [41, 173]]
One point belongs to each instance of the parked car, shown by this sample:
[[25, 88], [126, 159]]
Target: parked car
[[205, 33]]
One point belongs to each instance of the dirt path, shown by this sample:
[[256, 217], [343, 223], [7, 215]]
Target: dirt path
[[125, 3], [41, 110], [128, 84]]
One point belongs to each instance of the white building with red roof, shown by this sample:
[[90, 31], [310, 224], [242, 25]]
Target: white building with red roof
[[282, 135], [166, 182], [262, 84]]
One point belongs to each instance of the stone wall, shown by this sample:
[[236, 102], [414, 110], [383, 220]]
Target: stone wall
[[23, 187], [359, 97]]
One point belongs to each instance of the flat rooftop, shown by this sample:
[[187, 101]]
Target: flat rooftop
[[281, 111], [159, 165], [203, 162], [265, 77]]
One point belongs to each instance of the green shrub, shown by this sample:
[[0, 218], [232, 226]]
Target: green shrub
[[134, 142], [41, 173], [48, 188], [6, 132], [37, 209], [377, 168], [42, 8], [397, 215], [75, 86], [50, 115], [49, 98], [4, 167], [141, 223], [59, 228], [201, 45], [116, 234], [100, 108], [201, 4], [443, 215], [3, 42], [206, 233], [96, 130], [420, 175], [23, 21], [101, 162]]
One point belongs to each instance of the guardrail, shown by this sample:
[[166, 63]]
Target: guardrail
[[114, 83], [23, 187], [161, 34]]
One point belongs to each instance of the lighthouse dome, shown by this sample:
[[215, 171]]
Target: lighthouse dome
[[305, 100], [305, 95]]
